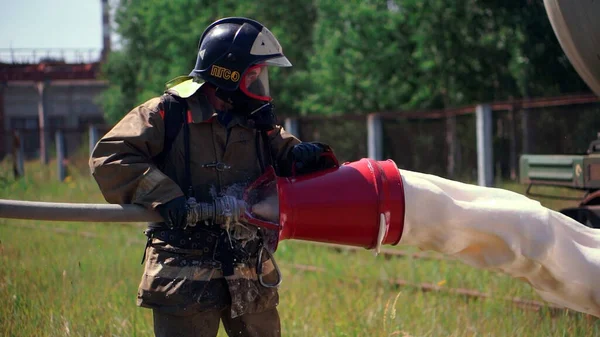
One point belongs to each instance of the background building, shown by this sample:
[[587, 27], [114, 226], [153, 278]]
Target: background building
[[45, 90]]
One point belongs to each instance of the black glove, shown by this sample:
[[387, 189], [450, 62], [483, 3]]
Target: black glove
[[174, 212], [263, 118], [309, 157]]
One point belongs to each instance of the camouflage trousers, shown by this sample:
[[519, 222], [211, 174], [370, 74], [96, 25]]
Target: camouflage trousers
[[206, 324], [180, 287]]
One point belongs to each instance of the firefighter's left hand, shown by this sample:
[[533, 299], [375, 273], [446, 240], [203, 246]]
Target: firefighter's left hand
[[309, 157], [174, 212]]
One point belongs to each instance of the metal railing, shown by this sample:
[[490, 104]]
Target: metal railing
[[50, 55]]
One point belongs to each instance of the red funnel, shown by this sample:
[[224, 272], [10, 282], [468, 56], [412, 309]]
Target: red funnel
[[358, 204]]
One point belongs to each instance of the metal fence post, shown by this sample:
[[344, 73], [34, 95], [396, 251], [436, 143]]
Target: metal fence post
[[42, 88], [485, 172], [18, 150], [291, 126], [93, 134], [60, 155], [374, 137]]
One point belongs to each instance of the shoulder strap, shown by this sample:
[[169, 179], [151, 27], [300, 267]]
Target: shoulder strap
[[271, 156], [175, 109]]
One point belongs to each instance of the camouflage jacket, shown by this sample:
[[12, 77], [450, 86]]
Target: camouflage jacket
[[175, 279]]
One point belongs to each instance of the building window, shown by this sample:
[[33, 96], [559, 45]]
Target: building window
[[24, 123], [86, 121], [28, 128]]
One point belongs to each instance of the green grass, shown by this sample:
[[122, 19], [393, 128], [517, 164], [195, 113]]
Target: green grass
[[80, 279]]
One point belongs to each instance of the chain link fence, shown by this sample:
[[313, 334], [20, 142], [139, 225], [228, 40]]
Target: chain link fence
[[347, 135], [421, 144], [417, 144]]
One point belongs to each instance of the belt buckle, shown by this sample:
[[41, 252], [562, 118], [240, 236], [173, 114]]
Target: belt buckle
[[222, 167], [219, 166]]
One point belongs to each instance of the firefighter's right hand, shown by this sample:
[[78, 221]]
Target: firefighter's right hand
[[174, 212], [309, 157]]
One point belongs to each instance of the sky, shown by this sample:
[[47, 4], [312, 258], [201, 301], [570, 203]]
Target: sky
[[55, 24]]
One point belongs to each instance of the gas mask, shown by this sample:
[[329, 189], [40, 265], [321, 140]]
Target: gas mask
[[252, 98]]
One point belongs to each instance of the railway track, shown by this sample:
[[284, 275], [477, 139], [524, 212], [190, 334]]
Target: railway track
[[387, 253], [471, 294]]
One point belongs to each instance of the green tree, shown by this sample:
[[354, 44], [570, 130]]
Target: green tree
[[397, 54], [354, 56], [360, 61]]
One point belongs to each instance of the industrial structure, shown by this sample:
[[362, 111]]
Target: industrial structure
[[45, 90]]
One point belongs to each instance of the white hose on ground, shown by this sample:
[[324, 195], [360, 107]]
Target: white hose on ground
[[56, 211], [500, 230]]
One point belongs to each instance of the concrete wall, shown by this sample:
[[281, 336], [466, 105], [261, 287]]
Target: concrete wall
[[71, 102], [68, 104]]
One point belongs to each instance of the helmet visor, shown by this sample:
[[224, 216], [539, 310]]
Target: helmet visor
[[280, 61], [255, 83]]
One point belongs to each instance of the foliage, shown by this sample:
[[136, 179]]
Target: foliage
[[355, 56], [361, 61]]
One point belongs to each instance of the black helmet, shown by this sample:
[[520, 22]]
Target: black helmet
[[233, 54]]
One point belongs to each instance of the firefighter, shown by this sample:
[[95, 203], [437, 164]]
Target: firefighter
[[207, 137]]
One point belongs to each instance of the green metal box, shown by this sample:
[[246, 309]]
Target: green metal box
[[555, 170]]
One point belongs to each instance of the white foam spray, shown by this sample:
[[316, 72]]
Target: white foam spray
[[267, 209]]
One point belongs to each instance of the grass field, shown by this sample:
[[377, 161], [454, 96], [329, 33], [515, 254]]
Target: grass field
[[80, 279]]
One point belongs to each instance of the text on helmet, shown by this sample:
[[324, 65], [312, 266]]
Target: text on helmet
[[224, 73]]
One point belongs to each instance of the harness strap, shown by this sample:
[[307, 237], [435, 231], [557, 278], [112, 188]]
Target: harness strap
[[214, 247], [269, 151], [148, 242], [188, 170], [259, 152]]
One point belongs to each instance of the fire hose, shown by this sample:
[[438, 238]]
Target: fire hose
[[221, 210]]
